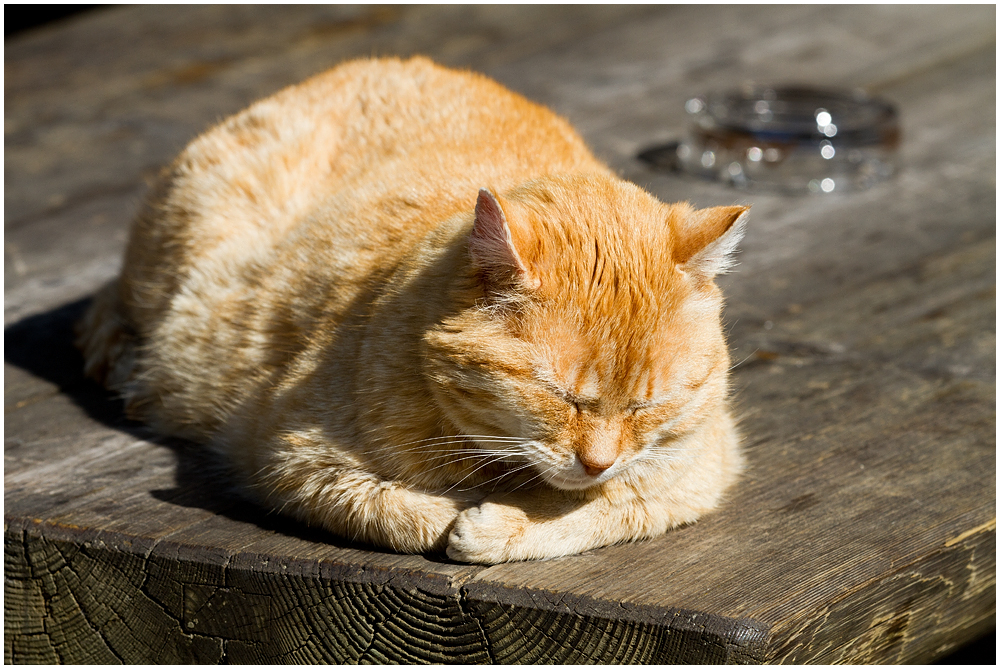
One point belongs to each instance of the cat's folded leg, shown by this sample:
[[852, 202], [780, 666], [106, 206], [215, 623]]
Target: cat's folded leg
[[323, 486], [551, 523]]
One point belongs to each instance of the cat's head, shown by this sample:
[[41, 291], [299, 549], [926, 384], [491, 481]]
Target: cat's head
[[597, 340]]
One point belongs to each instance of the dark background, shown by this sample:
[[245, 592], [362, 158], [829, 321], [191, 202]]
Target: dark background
[[18, 18]]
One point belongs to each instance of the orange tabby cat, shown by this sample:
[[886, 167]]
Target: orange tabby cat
[[409, 306]]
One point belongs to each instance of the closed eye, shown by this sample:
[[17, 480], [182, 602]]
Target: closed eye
[[579, 403], [636, 407]]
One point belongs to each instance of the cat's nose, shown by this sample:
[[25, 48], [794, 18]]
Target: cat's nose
[[594, 463], [597, 455], [594, 470]]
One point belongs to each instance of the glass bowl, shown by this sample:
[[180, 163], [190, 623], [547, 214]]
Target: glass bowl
[[791, 138]]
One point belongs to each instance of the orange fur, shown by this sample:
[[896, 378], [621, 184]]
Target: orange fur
[[410, 306]]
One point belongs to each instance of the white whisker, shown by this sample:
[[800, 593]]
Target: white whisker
[[492, 458], [744, 360], [481, 466]]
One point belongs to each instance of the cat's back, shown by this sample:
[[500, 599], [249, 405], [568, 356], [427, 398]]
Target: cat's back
[[367, 155], [375, 130], [411, 143]]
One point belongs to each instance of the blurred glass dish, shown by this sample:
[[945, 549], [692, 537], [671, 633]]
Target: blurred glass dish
[[792, 139]]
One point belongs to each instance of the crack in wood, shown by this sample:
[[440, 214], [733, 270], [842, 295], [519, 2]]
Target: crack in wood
[[99, 632], [463, 605], [985, 527]]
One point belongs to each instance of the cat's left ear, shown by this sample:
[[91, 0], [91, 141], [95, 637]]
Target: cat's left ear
[[707, 238], [492, 246]]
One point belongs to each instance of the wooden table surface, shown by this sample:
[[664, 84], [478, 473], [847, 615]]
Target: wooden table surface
[[864, 325]]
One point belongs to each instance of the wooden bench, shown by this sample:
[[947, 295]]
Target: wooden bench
[[863, 326]]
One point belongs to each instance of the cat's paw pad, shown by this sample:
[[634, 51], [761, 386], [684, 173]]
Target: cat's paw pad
[[483, 534]]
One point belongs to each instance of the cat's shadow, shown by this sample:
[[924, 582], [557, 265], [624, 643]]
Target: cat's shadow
[[42, 345]]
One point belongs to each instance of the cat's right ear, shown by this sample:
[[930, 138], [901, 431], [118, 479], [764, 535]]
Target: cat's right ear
[[706, 240], [492, 246]]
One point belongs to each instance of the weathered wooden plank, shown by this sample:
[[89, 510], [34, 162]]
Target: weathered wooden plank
[[863, 325], [110, 604]]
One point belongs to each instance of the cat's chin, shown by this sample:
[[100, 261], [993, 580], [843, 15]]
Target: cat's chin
[[572, 481]]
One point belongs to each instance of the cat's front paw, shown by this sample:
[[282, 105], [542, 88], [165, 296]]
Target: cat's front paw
[[486, 534]]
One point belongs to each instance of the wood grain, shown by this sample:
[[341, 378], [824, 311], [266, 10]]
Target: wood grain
[[862, 328]]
